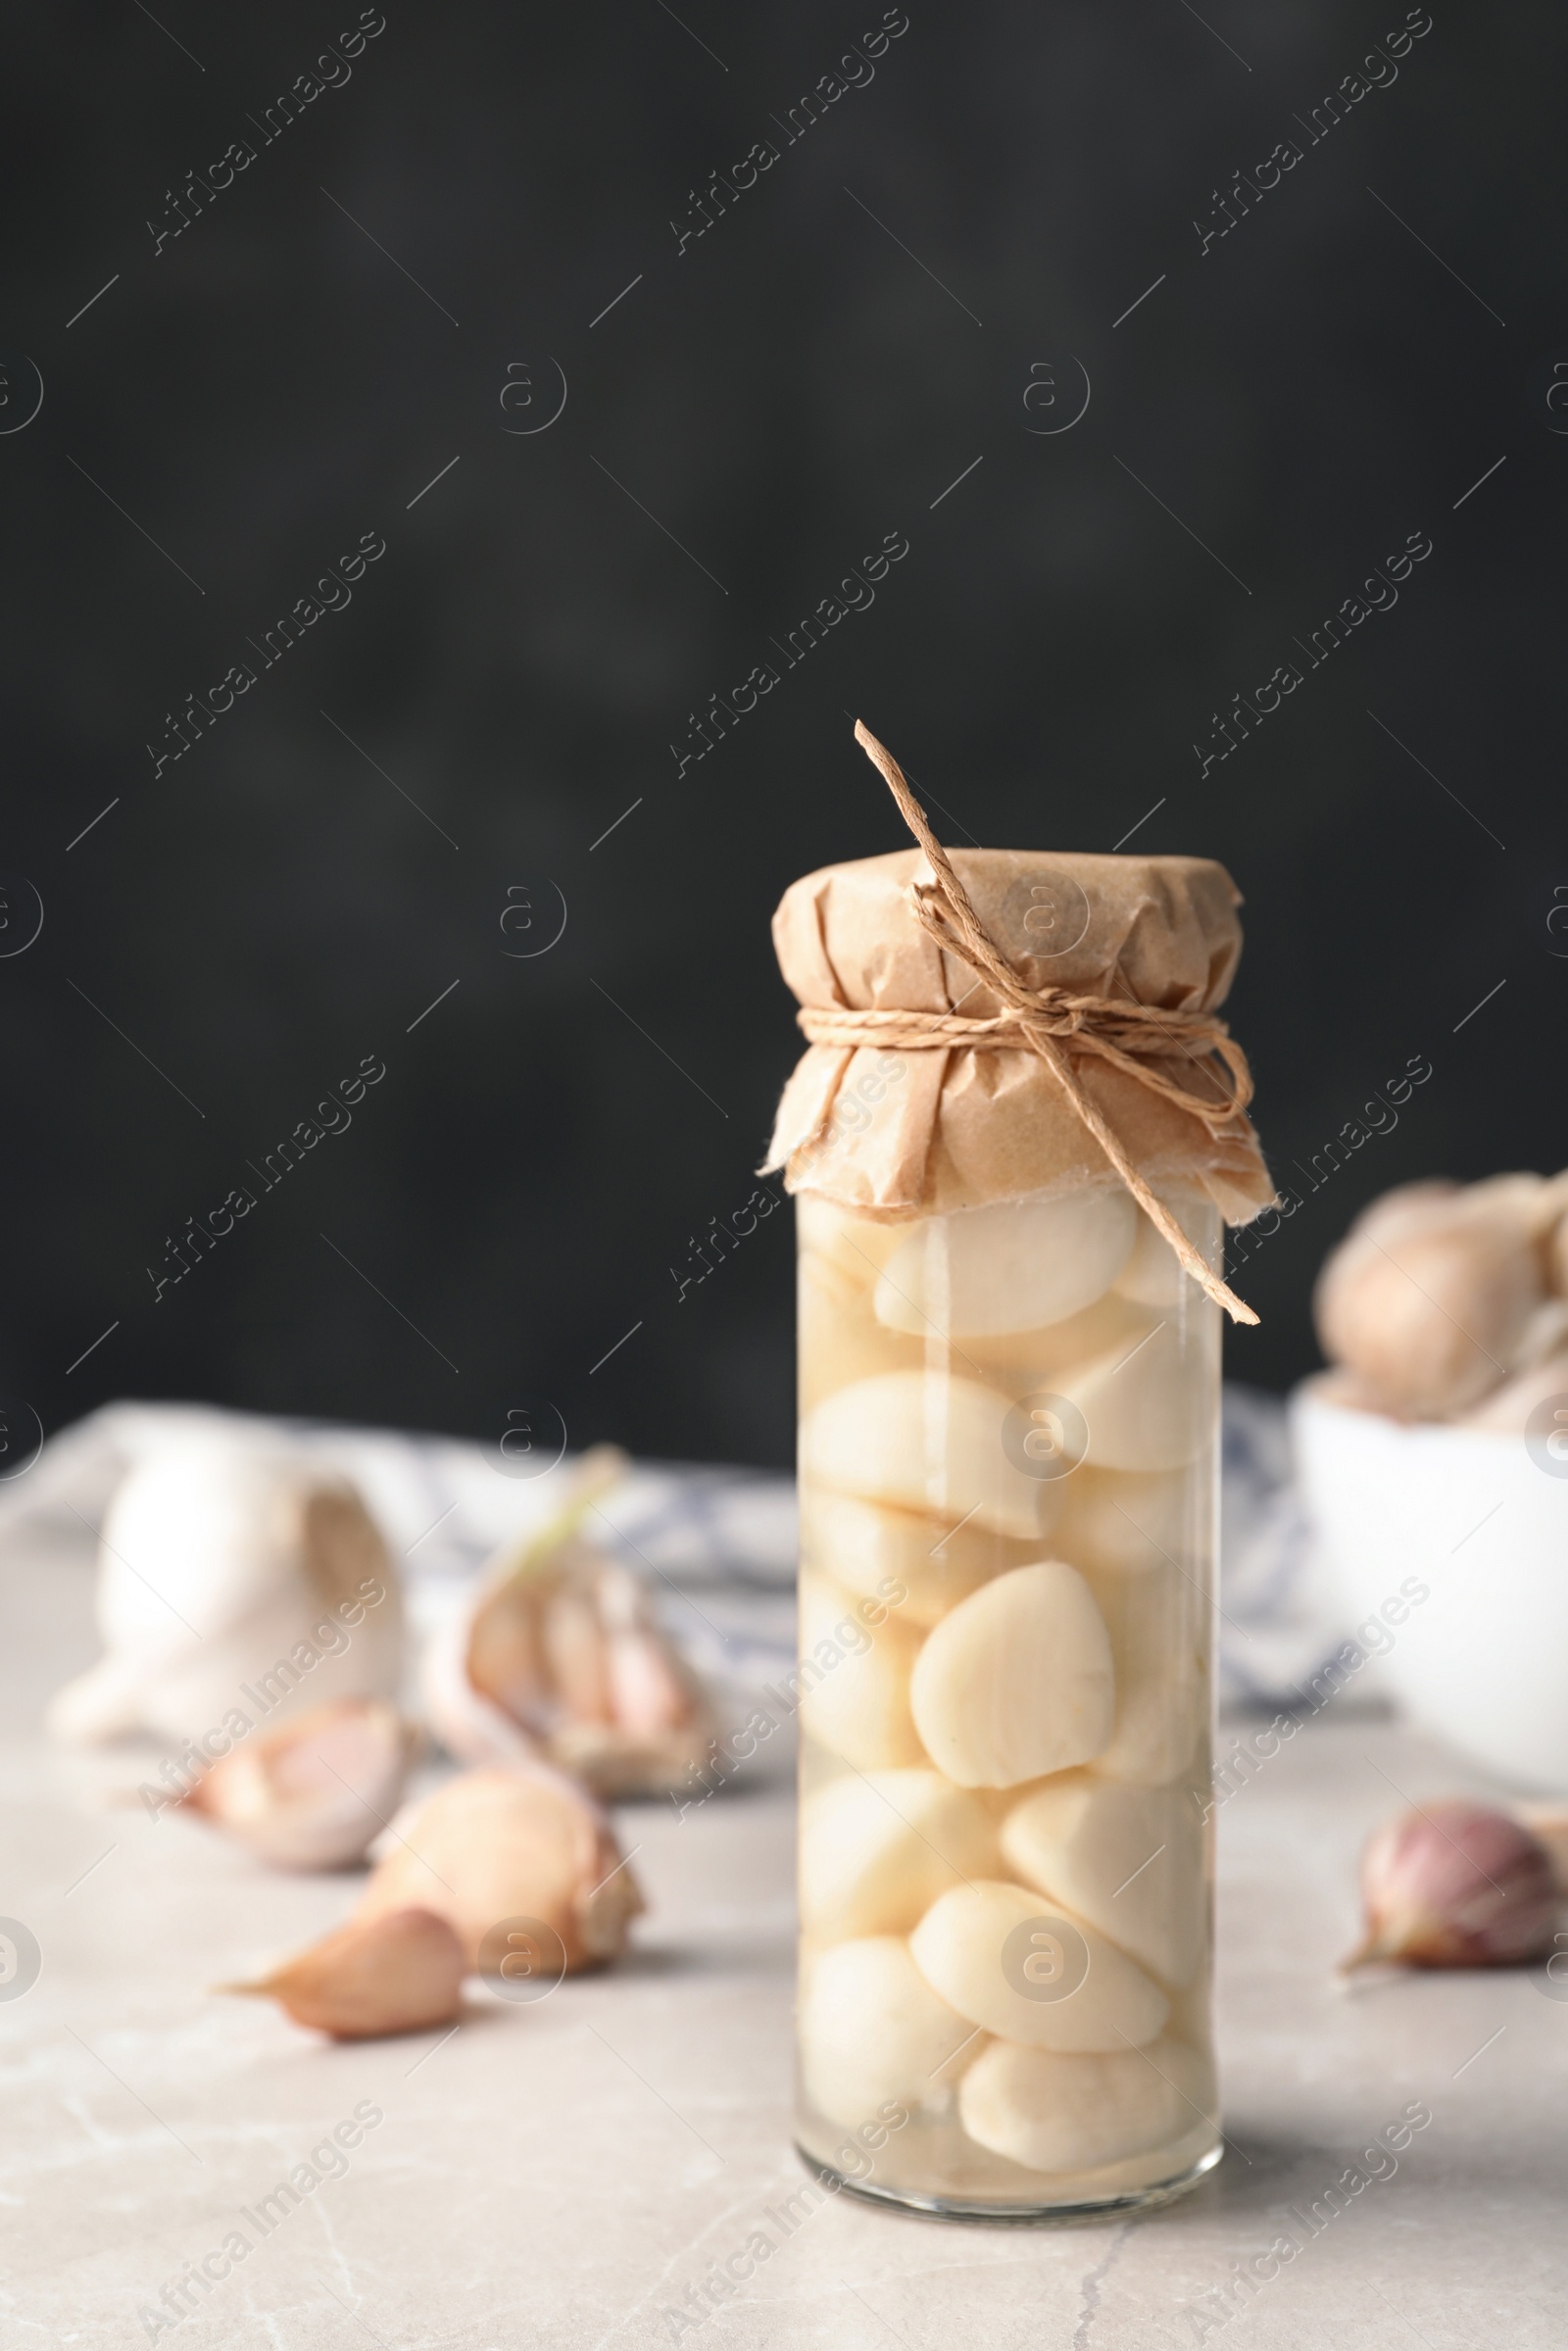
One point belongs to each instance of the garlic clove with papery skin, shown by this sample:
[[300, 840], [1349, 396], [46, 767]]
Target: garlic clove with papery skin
[[1456, 1884], [316, 1793], [229, 1566], [558, 1655], [400, 1973], [509, 1841]]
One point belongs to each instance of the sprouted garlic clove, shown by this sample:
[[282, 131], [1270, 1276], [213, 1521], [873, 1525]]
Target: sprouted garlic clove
[[400, 1972]]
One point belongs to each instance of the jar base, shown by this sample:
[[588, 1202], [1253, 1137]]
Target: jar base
[[1020, 2214]]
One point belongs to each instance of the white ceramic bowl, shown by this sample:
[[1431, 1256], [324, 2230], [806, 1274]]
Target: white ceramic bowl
[[1482, 1661]]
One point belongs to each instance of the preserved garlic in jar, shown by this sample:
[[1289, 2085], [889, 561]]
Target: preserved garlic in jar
[[1009, 1482]]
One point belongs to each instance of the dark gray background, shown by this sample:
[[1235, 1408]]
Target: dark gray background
[[791, 387]]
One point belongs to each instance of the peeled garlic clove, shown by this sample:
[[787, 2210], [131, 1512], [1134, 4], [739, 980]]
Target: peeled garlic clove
[[399, 1973], [871, 1550], [872, 2029], [1128, 1860], [1016, 1680], [515, 1841], [877, 1849], [1456, 1884], [1428, 1296], [840, 1340], [226, 1560], [314, 1794], [1153, 1275], [990, 1948], [1156, 1627], [927, 1442], [853, 1676], [1124, 1522], [1012, 1266], [1075, 2113], [856, 1245], [1148, 1406], [1057, 1347]]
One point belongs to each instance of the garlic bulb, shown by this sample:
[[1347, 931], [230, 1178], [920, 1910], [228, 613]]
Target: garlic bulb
[[1429, 1298], [511, 1841], [401, 1973], [1456, 1884], [316, 1793], [558, 1655], [235, 1580]]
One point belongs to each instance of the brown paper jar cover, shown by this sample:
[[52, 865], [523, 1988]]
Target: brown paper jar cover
[[898, 1133]]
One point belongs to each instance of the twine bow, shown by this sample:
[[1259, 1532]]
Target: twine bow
[[1057, 1025]]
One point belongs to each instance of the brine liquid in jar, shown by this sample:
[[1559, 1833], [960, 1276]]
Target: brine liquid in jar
[[1008, 1470]]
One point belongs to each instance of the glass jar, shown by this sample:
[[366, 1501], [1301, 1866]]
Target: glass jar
[[1008, 1484]]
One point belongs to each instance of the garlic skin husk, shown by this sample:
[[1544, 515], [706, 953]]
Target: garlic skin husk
[[1433, 1297], [399, 1973], [511, 1841], [316, 1793], [1456, 1884], [558, 1655], [226, 1562]]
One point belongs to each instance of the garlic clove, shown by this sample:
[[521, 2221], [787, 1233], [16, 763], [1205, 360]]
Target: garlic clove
[[560, 1654], [1153, 1275], [876, 1848], [1012, 1266], [1147, 1404], [316, 1793], [1157, 1624], [1456, 1884], [1059, 2113], [400, 1972], [856, 1245], [840, 1339], [511, 1841], [1549, 1823], [1125, 1522], [1429, 1294], [930, 1442], [1016, 1680], [873, 2029], [872, 1550], [1128, 1860], [854, 1678], [991, 1950]]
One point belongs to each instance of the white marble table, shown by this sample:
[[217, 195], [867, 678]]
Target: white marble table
[[569, 2173]]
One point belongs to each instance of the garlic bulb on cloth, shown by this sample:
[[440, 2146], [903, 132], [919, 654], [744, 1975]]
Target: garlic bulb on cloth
[[237, 1583], [558, 1655]]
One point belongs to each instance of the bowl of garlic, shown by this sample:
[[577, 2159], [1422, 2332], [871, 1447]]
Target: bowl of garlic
[[1432, 1460]]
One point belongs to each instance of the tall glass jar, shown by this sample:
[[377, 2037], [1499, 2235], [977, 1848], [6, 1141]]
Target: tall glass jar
[[1009, 1499]]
